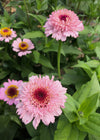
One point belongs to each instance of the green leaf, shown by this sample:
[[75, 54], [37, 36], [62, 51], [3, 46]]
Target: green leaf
[[4, 120], [18, 24], [3, 74], [67, 131], [93, 63], [70, 109], [71, 50], [87, 30], [13, 3], [53, 48], [33, 34], [36, 55], [40, 18], [88, 106], [45, 133], [25, 72], [97, 29], [32, 74], [95, 118], [15, 119], [1, 48], [36, 138], [26, 68], [7, 128], [98, 72], [92, 137], [32, 132], [88, 89], [92, 126], [97, 50], [86, 68], [42, 5], [63, 129], [20, 15], [45, 62], [38, 2], [76, 77], [5, 56]]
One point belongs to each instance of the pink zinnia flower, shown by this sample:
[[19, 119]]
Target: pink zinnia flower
[[10, 91], [22, 47], [7, 34], [62, 24], [41, 99]]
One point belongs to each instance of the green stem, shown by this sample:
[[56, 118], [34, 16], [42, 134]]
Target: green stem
[[46, 40], [58, 59], [10, 8], [78, 5], [56, 3], [28, 19]]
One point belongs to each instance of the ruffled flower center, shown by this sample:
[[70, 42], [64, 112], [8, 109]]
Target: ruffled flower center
[[40, 97], [64, 17], [5, 32], [12, 91], [23, 46]]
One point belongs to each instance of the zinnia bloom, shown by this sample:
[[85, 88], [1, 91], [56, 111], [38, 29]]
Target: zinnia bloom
[[62, 24], [41, 99], [7, 34], [10, 91], [22, 47]]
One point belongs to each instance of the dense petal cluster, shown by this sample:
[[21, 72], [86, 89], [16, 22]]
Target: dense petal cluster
[[41, 99], [62, 24], [22, 47], [10, 91], [7, 34]]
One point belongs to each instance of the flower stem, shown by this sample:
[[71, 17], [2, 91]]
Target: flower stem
[[78, 5], [56, 3], [28, 19], [58, 58]]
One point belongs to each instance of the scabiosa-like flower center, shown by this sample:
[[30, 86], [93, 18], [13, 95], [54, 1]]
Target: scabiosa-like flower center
[[40, 94], [23, 46], [63, 17], [40, 97], [12, 91], [5, 32]]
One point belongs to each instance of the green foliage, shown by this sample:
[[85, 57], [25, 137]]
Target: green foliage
[[34, 34], [42, 132], [87, 107], [70, 109], [74, 77], [92, 125], [7, 128], [80, 111], [45, 62], [97, 50], [68, 131], [88, 89], [40, 18], [86, 68]]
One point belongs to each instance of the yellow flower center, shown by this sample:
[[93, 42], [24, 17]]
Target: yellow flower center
[[5, 32], [23, 46], [12, 91]]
